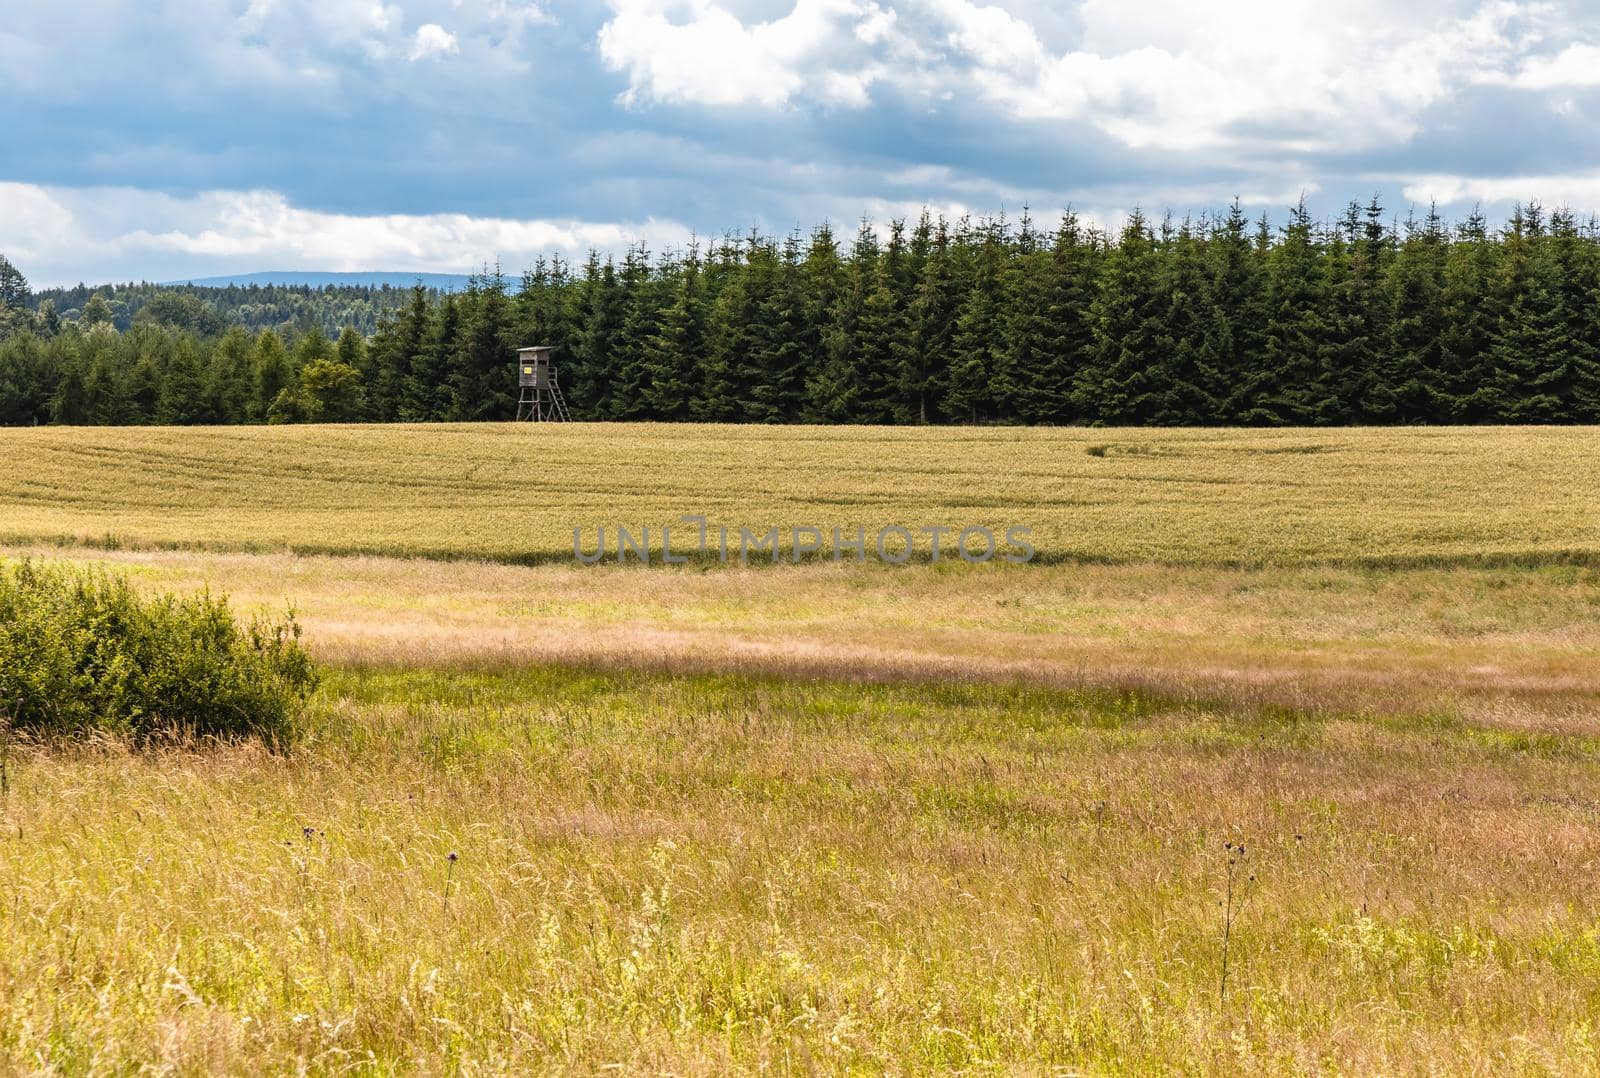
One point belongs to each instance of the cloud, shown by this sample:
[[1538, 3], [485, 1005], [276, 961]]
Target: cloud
[[1576, 65], [1172, 75], [279, 49], [1578, 190], [696, 52], [432, 40], [735, 113], [1292, 74], [137, 234]]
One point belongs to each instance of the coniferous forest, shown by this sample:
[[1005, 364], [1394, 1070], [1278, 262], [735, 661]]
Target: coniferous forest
[[1364, 319]]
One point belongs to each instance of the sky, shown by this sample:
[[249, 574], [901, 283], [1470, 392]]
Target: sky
[[170, 139]]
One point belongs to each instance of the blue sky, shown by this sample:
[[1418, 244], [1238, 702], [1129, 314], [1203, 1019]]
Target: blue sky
[[169, 139]]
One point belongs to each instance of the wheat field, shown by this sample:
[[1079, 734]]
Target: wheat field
[[515, 492], [833, 817]]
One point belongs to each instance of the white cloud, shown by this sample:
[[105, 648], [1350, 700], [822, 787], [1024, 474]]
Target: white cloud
[[304, 35], [1274, 75], [697, 52], [1298, 74], [432, 40], [517, 14], [1577, 190], [59, 235], [1576, 65]]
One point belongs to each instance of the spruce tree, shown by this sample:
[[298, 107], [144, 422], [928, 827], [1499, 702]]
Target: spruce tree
[[1415, 284], [548, 312], [106, 384], [1074, 266], [229, 377], [1236, 326], [673, 353], [1182, 383], [822, 281], [182, 399], [272, 373], [736, 339], [1356, 391], [924, 373], [1120, 386], [1285, 383], [1545, 369], [643, 303], [882, 338], [69, 405], [14, 290], [142, 389], [589, 377], [968, 395], [351, 349], [399, 338], [1575, 371], [785, 344], [1027, 334], [426, 394], [312, 345], [835, 386], [482, 376], [1464, 383]]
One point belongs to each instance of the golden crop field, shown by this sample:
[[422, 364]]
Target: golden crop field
[[833, 817], [515, 492]]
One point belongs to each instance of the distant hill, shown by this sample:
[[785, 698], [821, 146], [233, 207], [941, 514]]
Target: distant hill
[[443, 282]]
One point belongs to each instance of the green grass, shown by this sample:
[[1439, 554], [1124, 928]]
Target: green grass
[[515, 492]]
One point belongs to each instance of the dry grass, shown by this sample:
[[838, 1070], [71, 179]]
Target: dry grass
[[515, 492], [843, 818], [696, 874], [1513, 647]]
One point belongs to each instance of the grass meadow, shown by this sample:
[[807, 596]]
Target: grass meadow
[[919, 819]]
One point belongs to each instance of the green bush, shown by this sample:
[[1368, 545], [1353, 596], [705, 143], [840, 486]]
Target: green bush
[[82, 651]]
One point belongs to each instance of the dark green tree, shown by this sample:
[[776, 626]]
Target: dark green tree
[[924, 373], [483, 384], [1120, 386], [593, 371], [272, 372], [1285, 385], [1415, 285], [182, 400], [27, 382], [14, 291], [969, 395], [645, 297], [834, 388], [672, 356], [1463, 384], [786, 341]]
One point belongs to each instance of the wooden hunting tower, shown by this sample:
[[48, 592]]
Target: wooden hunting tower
[[540, 400]]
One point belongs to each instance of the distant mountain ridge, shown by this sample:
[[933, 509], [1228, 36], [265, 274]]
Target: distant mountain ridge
[[443, 282]]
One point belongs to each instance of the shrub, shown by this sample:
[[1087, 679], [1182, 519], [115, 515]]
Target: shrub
[[82, 651]]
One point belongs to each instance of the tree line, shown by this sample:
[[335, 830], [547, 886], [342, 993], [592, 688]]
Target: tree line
[[1218, 320], [211, 309]]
